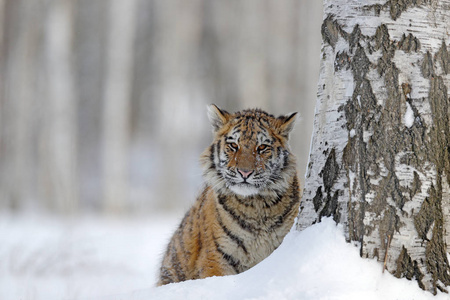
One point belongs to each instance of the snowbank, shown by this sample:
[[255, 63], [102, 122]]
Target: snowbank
[[48, 258], [108, 260], [310, 265]]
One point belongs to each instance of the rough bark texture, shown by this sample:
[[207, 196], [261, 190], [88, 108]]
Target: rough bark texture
[[380, 155]]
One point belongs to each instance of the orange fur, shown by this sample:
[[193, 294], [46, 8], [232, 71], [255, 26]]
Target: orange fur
[[248, 204]]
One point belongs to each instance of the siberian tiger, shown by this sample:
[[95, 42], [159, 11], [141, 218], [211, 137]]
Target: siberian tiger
[[249, 201]]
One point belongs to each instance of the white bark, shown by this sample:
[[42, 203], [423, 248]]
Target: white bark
[[379, 162]]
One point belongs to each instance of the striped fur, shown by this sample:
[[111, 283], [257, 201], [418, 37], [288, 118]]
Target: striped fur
[[249, 202]]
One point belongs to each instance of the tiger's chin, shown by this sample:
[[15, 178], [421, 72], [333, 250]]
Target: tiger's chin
[[243, 189]]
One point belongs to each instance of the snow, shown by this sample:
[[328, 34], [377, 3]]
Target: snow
[[51, 258], [352, 133], [409, 116], [117, 259], [349, 89]]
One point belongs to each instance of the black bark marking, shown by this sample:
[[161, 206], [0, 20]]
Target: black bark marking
[[409, 43], [330, 173], [425, 218], [331, 208], [342, 61], [443, 57], [395, 7], [364, 154], [408, 268], [317, 200], [331, 31], [436, 250], [427, 66], [416, 185]]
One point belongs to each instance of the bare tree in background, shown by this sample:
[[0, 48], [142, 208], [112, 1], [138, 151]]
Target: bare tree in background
[[117, 93], [178, 92], [59, 137], [16, 75], [102, 103], [380, 156]]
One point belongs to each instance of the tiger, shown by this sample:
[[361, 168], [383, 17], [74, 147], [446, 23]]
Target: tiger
[[249, 201]]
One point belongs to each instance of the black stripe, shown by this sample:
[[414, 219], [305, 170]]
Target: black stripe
[[176, 265], [295, 192], [234, 238], [184, 220], [247, 119], [186, 227], [269, 204], [188, 222], [275, 177], [230, 259], [182, 248], [165, 277], [202, 200], [199, 242], [294, 200], [244, 225], [286, 157], [218, 150], [211, 157], [247, 202]]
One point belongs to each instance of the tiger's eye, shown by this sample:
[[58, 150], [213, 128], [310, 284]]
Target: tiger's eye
[[261, 148], [233, 146]]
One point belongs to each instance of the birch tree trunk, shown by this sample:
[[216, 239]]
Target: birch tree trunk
[[178, 92], [117, 104], [17, 99], [380, 154], [60, 134]]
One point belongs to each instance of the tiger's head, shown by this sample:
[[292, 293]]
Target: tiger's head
[[250, 153]]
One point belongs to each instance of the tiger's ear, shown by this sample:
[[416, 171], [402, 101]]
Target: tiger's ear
[[286, 124], [217, 117]]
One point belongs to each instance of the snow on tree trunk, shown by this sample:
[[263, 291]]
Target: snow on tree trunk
[[380, 154]]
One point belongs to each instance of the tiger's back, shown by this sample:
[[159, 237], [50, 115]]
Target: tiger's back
[[248, 204]]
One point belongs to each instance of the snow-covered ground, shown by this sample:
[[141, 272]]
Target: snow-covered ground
[[106, 259], [54, 259]]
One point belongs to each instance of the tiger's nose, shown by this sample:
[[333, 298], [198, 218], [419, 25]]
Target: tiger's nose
[[245, 174]]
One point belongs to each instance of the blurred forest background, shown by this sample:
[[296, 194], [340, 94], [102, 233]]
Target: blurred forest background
[[103, 102]]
